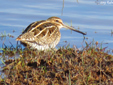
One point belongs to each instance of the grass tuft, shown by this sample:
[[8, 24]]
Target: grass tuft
[[66, 66]]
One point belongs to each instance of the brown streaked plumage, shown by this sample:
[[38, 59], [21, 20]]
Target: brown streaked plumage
[[44, 34]]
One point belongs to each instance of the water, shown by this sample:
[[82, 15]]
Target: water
[[92, 16]]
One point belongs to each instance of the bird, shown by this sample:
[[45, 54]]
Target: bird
[[44, 34]]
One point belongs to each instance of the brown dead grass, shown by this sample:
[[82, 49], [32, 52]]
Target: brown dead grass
[[92, 66]]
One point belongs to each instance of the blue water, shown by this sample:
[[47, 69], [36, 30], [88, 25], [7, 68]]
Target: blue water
[[92, 16]]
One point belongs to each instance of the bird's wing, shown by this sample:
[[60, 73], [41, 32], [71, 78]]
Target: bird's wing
[[46, 33], [40, 32], [32, 26]]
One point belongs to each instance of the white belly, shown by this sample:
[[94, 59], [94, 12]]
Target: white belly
[[44, 47]]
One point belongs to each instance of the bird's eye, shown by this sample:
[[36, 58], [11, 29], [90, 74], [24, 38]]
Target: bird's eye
[[57, 21]]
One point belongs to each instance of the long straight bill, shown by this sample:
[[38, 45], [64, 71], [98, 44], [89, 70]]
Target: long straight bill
[[71, 28]]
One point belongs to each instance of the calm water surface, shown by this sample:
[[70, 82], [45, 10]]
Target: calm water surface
[[92, 16]]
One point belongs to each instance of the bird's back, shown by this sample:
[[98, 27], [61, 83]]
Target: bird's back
[[41, 33]]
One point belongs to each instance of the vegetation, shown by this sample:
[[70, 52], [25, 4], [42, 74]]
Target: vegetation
[[66, 66], [4, 35]]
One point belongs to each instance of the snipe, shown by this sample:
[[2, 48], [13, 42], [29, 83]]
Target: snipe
[[44, 34]]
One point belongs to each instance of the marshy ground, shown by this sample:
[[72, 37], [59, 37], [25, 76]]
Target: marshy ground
[[67, 66]]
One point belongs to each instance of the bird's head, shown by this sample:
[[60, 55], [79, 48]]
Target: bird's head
[[59, 23]]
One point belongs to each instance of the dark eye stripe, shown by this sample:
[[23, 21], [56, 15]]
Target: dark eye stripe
[[57, 21]]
